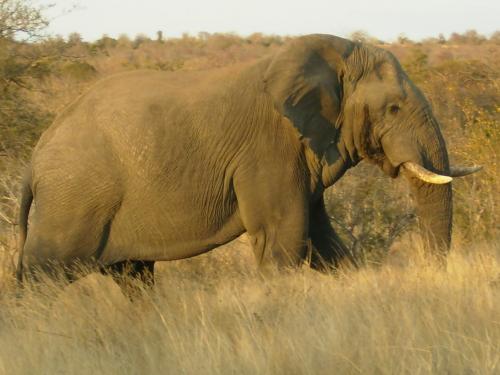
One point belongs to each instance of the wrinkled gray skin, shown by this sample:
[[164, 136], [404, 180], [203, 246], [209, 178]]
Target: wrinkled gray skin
[[154, 166]]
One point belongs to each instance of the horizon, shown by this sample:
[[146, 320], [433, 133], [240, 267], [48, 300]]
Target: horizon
[[426, 19]]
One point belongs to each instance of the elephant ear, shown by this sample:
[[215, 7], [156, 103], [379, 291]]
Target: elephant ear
[[305, 83]]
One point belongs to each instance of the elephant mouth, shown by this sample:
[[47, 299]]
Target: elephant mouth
[[385, 165], [389, 169]]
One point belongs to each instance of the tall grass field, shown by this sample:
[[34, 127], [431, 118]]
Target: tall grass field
[[216, 315]]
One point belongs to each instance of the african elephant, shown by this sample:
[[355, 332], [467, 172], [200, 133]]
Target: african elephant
[[155, 166]]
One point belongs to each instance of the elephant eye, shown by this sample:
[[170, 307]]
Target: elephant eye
[[394, 109]]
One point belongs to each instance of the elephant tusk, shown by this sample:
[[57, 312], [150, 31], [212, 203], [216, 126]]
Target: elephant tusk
[[424, 174], [464, 171]]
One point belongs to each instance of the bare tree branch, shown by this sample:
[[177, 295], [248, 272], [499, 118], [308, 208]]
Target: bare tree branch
[[21, 19]]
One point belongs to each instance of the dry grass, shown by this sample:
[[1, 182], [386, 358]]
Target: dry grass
[[215, 314]]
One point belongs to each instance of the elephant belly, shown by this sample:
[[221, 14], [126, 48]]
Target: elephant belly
[[169, 229]]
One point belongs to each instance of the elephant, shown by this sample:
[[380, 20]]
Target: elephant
[[155, 166]]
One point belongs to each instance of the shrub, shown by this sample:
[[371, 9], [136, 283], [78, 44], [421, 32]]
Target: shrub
[[79, 70]]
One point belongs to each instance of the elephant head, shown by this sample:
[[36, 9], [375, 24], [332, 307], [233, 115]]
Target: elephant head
[[348, 102]]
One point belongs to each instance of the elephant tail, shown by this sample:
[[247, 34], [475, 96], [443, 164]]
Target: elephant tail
[[24, 210]]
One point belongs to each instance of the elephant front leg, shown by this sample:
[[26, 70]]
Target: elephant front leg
[[277, 232], [329, 250], [273, 205], [274, 244]]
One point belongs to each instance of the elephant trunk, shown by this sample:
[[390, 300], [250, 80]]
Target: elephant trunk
[[423, 159], [434, 209], [433, 201]]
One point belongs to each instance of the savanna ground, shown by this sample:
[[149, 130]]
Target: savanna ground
[[397, 314]]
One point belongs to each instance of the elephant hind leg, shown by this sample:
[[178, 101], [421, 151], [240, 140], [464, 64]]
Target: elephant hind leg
[[65, 241], [68, 254]]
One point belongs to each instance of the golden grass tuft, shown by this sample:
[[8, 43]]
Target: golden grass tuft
[[216, 314]]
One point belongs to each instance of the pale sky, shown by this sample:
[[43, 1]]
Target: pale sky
[[385, 19]]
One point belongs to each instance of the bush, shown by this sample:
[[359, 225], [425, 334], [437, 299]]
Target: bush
[[79, 70]]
